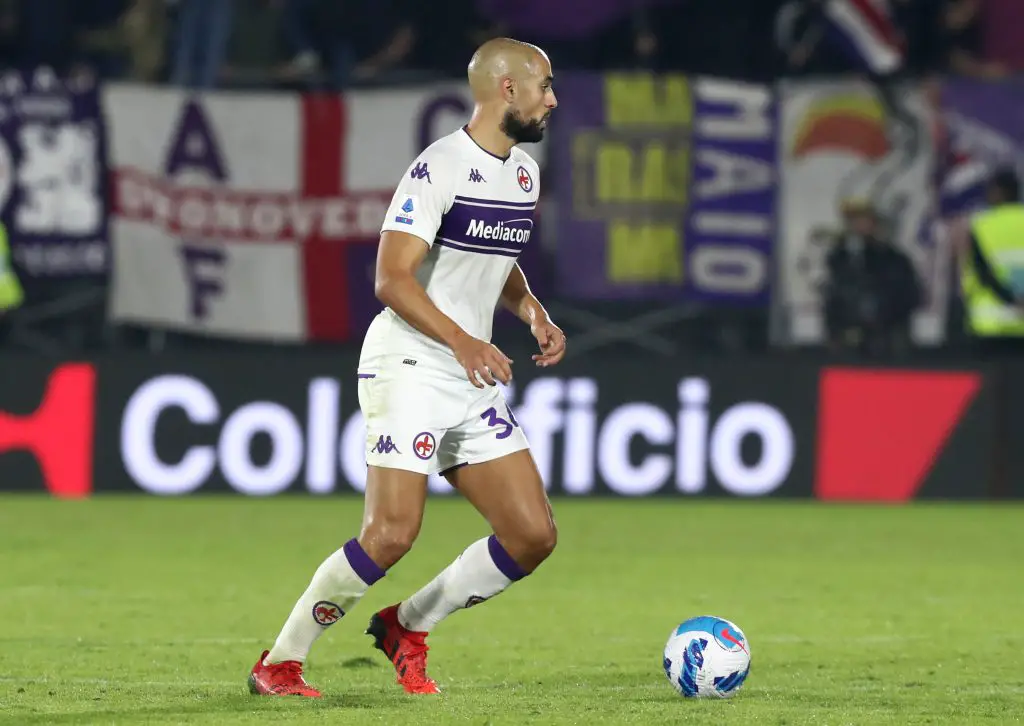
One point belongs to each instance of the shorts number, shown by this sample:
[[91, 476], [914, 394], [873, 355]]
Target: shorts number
[[493, 419]]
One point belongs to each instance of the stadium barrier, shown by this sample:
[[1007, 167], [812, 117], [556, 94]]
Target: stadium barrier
[[290, 423]]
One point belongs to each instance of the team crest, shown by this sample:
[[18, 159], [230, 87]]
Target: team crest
[[524, 179], [327, 613], [423, 445]]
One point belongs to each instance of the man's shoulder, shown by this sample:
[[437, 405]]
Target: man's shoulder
[[439, 161], [521, 157]]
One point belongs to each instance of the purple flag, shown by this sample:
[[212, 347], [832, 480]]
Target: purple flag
[[665, 188], [983, 128], [53, 174]]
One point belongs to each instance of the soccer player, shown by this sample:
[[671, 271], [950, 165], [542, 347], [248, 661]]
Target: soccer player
[[427, 379]]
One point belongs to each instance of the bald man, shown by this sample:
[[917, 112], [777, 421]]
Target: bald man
[[462, 214]]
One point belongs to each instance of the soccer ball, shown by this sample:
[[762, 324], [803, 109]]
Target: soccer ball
[[707, 657]]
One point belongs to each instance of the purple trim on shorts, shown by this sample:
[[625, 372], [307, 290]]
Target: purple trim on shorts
[[368, 570], [366, 375], [453, 468], [503, 560]]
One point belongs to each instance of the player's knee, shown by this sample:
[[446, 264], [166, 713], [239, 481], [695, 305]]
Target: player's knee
[[535, 543], [388, 539]]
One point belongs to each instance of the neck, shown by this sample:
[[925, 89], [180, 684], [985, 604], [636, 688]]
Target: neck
[[487, 132]]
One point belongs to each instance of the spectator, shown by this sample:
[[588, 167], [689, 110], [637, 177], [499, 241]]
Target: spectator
[[201, 42], [47, 30], [11, 293], [356, 41], [125, 38], [1001, 22], [871, 290], [960, 41], [992, 272], [449, 45]]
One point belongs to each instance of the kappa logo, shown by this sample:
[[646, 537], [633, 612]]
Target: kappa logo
[[420, 171], [385, 446], [476, 177], [326, 613], [423, 445]]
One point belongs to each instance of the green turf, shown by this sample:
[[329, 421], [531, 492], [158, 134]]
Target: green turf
[[148, 610]]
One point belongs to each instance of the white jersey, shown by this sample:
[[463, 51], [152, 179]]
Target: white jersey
[[474, 210]]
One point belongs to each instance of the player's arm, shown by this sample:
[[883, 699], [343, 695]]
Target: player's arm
[[517, 298], [395, 285]]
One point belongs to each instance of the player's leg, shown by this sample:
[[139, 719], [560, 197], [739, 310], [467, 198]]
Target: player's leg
[[509, 493], [396, 489], [392, 515]]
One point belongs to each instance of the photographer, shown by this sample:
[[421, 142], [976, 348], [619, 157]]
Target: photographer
[[872, 289]]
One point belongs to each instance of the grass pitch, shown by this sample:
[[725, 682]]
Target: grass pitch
[[145, 610]]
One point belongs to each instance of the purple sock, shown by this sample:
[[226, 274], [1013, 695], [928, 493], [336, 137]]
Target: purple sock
[[503, 560], [368, 570]]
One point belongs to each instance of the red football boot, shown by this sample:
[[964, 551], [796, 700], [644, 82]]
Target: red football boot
[[406, 649], [279, 679]]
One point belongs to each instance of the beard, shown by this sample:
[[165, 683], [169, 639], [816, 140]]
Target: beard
[[520, 130]]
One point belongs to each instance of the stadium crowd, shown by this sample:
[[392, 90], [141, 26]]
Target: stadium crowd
[[337, 43]]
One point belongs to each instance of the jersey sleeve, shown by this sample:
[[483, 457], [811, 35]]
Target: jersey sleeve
[[423, 196]]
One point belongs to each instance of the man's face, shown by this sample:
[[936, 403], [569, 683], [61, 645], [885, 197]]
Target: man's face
[[527, 115]]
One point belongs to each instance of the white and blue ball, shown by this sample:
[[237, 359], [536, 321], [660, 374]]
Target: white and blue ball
[[707, 657]]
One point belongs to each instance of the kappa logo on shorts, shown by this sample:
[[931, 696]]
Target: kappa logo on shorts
[[423, 445], [385, 446], [409, 362], [327, 613]]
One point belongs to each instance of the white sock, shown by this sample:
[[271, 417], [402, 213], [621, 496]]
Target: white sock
[[338, 584], [479, 573]]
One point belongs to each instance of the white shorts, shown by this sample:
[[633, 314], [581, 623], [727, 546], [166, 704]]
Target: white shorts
[[429, 421]]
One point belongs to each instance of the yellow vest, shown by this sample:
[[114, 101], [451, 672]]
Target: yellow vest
[[1000, 235], [11, 294]]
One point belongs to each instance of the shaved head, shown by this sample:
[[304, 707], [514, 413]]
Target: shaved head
[[511, 81], [500, 58]]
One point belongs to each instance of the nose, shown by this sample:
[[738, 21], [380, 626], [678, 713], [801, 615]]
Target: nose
[[552, 101]]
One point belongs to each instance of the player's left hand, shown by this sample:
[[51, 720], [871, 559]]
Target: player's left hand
[[551, 340]]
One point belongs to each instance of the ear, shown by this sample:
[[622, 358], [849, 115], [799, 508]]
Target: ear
[[508, 89]]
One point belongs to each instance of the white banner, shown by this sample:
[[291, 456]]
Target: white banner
[[237, 214], [838, 145]]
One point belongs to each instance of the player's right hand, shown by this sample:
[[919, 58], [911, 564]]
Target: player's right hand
[[481, 360]]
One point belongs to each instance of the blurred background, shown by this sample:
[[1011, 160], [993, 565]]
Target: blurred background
[[745, 193]]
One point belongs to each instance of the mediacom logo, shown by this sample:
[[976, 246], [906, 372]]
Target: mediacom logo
[[59, 433], [635, 449]]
